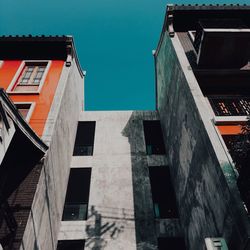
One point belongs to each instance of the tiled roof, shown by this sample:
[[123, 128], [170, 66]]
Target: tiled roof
[[210, 6]]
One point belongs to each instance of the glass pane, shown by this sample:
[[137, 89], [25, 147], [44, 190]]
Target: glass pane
[[24, 112], [24, 80], [83, 150], [84, 143], [75, 212]]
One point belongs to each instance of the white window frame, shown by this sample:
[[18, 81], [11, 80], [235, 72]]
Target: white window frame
[[191, 35], [18, 72], [31, 109]]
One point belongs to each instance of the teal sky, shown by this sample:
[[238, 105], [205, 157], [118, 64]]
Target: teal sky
[[114, 41]]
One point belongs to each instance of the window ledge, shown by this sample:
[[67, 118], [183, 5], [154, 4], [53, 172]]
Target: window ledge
[[229, 119], [23, 92]]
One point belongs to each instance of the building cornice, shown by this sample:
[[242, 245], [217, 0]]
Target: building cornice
[[28, 47]]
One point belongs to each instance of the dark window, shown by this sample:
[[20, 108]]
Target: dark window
[[162, 192], [84, 142], [23, 108], [153, 137], [171, 244], [77, 197], [70, 245], [239, 148]]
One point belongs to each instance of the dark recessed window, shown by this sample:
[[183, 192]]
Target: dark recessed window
[[23, 108], [77, 197], [84, 143], [162, 192], [171, 244], [153, 137], [239, 149], [70, 245]]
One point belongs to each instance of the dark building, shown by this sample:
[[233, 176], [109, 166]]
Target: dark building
[[202, 80]]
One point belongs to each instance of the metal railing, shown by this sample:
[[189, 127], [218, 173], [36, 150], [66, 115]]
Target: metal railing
[[230, 105]]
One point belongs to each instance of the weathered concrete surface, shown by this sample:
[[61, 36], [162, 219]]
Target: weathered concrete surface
[[43, 224], [6, 137], [120, 204], [204, 181]]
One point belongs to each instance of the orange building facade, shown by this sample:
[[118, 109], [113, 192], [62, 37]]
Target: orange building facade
[[41, 101]]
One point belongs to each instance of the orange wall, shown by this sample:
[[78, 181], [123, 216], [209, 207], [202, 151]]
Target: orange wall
[[43, 100], [229, 129]]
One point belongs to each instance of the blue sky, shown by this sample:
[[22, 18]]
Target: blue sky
[[114, 40]]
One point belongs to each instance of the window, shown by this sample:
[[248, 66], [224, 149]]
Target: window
[[153, 137], [29, 77], [70, 245], [162, 192], [239, 149], [84, 143], [25, 109], [171, 243], [77, 197]]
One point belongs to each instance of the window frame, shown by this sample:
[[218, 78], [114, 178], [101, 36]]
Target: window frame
[[191, 35], [31, 109], [24, 63], [68, 202], [79, 132]]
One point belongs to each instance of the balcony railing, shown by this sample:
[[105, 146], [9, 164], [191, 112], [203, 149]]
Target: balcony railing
[[230, 105]]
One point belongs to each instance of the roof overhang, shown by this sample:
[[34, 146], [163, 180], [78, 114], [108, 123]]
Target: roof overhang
[[181, 18], [224, 48], [38, 48]]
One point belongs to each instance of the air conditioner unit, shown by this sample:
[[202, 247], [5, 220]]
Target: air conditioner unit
[[215, 244]]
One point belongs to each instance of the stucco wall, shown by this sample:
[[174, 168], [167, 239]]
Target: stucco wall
[[59, 133], [120, 203], [205, 183]]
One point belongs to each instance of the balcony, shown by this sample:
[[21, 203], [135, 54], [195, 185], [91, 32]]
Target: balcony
[[230, 105]]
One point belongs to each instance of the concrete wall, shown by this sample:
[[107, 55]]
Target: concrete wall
[[204, 179], [46, 211], [120, 204]]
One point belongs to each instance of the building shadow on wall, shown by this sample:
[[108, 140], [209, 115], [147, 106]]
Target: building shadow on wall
[[143, 206], [17, 213], [106, 224]]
